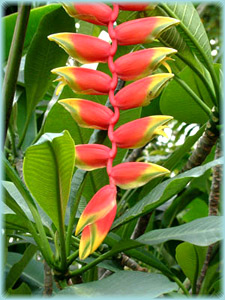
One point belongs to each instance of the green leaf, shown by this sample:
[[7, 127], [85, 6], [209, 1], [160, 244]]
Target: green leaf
[[48, 169], [15, 201], [191, 28], [44, 55], [18, 267], [201, 232], [163, 192], [23, 289], [195, 210], [178, 204], [124, 283], [13, 222], [175, 100], [35, 17], [33, 273], [191, 259]]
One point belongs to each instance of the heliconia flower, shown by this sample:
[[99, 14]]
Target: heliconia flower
[[88, 114], [136, 6], [94, 234], [98, 207], [143, 30], [141, 92], [137, 133], [83, 80], [97, 13], [91, 156], [131, 175], [84, 48], [141, 63]]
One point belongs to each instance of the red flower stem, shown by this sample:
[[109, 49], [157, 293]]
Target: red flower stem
[[113, 85]]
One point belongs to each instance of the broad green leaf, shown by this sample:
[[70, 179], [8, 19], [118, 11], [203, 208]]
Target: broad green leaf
[[113, 240], [11, 221], [44, 55], [23, 289], [195, 209], [19, 267], [163, 192], [33, 273], [15, 201], [35, 17], [124, 283], [48, 169], [175, 100], [191, 259], [200, 232], [180, 203], [191, 28]]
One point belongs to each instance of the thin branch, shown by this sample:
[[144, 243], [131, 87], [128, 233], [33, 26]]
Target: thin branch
[[15, 54], [205, 143], [213, 211], [48, 280]]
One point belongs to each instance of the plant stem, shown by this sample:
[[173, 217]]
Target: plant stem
[[72, 257], [193, 95], [73, 214], [177, 280], [15, 54], [24, 131], [101, 258]]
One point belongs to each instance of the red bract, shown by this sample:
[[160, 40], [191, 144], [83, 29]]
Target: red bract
[[135, 174], [84, 48], [87, 113], [143, 30], [147, 61], [98, 13], [94, 234], [98, 207], [137, 133], [91, 156], [84, 81], [141, 92], [136, 6]]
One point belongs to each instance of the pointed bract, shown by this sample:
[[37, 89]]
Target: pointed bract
[[142, 91], [94, 234], [91, 156], [131, 175], [147, 61], [98, 207], [88, 114], [137, 133], [84, 48], [143, 30], [96, 13], [136, 6], [83, 80]]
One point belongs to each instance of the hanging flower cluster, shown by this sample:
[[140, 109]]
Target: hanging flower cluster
[[98, 216]]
